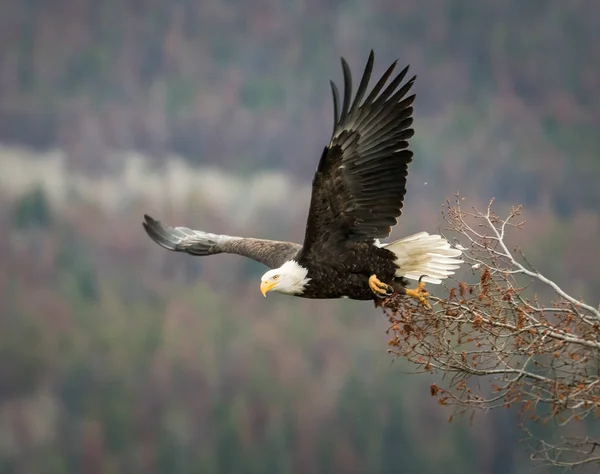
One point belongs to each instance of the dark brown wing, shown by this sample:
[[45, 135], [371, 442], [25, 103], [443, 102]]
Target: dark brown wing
[[360, 182]]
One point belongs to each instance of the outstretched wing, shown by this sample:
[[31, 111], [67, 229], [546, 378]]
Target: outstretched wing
[[359, 186], [271, 253]]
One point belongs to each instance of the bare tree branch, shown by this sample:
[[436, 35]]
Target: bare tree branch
[[499, 345]]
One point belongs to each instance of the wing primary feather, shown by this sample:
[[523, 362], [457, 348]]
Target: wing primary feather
[[384, 107], [381, 82], [386, 125], [166, 238], [400, 138], [384, 104], [362, 88], [336, 105], [347, 89], [390, 122], [408, 101], [403, 90], [389, 90], [378, 152]]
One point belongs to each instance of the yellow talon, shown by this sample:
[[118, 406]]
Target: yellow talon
[[378, 287], [419, 293]]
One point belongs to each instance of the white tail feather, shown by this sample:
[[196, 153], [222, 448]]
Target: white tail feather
[[424, 254]]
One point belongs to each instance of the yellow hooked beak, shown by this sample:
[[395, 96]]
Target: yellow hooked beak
[[266, 286]]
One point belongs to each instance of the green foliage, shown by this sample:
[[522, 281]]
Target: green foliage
[[180, 95], [79, 275], [32, 211], [23, 352], [223, 50]]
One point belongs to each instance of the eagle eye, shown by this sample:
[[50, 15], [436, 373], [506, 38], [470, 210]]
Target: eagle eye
[[275, 277]]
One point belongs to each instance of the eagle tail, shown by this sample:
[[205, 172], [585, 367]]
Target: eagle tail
[[424, 254]]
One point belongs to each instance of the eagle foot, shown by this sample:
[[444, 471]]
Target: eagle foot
[[382, 290], [419, 293]]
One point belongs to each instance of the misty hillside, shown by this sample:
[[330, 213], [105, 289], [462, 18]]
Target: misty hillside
[[507, 93]]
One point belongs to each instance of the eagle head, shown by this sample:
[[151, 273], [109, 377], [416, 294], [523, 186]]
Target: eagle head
[[290, 278]]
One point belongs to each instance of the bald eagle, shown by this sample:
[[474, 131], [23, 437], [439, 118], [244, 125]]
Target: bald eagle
[[357, 195]]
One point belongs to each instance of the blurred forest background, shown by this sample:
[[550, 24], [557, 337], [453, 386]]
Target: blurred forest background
[[119, 357]]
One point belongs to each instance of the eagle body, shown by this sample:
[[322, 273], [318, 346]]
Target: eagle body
[[346, 275], [357, 196]]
